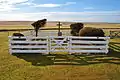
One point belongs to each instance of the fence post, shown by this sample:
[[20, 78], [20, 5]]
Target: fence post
[[9, 40], [48, 45], [69, 48], [107, 47]]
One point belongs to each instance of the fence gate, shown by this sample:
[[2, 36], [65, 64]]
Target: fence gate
[[52, 44], [59, 44]]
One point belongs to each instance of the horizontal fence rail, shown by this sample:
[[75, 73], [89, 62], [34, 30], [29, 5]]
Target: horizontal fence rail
[[70, 44], [89, 44], [28, 45]]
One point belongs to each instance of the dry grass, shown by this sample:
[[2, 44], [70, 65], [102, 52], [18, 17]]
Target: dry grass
[[58, 66], [53, 25], [105, 25], [16, 27]]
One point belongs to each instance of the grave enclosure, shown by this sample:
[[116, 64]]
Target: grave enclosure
[[52, 44]]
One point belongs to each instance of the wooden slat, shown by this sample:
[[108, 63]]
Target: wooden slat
[[88, 46], [13, 37], [62, 43], [88, 51], [89, 42], [29, 46], [29, 42], [73, 37], [54, 40], [57, 37], [29, 51], [62, 37]]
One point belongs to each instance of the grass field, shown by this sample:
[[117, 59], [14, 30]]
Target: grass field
[[53, 25], [16, 27], [59, 66]]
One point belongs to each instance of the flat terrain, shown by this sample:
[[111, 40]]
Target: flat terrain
[[59, 66], [27, 25]]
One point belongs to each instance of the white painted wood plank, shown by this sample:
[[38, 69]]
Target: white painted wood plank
[[14, 37], [29, 46], [61, 43], [73, 37], [88, 51], [58, 40], [89, 42], [58, 36], [89, 46], [29, 42], [29, 51], [62, 37]]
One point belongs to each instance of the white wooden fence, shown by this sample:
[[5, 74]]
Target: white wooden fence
[[28, 45], [50, 44]]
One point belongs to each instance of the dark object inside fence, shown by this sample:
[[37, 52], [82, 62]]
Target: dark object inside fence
[[75, 28], [78, 29], [91, 32], [38, 24], [18, 35], [59, 33]]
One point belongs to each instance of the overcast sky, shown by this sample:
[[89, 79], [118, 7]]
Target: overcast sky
[[61, 10]]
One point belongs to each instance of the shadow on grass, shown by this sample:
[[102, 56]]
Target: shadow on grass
[[65, 59]]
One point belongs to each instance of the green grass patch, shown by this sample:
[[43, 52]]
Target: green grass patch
[[58, 66]]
